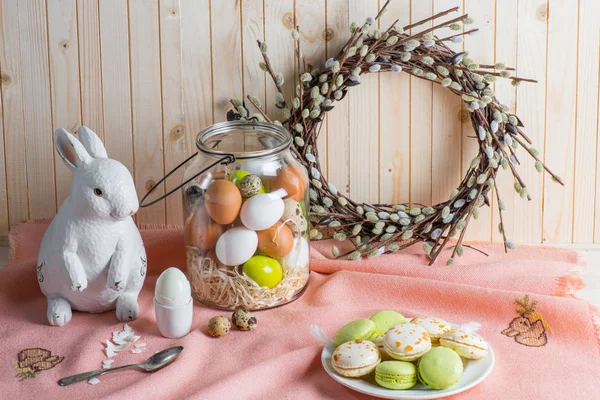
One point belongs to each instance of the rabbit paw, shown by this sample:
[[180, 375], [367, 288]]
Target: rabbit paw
[[116, 285], [78, 281], [127, 307], [59, 311]]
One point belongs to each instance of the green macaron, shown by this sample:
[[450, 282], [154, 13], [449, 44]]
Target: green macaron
[[440, 368], [359, 329], [396, 375], [385, 319]]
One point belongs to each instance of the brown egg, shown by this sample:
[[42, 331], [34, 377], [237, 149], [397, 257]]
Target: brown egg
[[212, 254], [293, 180], [276, 241], [200, 231], [223, 201]]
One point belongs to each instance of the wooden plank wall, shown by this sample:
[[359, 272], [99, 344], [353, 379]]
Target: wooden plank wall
[[147, 75]]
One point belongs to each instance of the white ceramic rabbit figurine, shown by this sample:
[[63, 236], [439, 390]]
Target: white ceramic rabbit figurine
[[92, 257]]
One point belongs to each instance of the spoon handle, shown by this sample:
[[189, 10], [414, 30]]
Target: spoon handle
[[88, 375]]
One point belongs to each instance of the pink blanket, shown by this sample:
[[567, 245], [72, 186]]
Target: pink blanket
[[280, 359]]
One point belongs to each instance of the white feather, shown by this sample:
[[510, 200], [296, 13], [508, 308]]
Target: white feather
[[470, 326], [320, 335]]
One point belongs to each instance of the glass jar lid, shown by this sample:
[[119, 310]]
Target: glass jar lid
[[243, 139]]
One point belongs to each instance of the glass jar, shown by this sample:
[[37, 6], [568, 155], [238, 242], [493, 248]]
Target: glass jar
[[246, 217]]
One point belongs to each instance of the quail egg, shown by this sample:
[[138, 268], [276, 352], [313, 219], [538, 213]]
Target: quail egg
[[244, 320], [218, 326], [292, 215], [299, 226], [291, 210], [249, 186]]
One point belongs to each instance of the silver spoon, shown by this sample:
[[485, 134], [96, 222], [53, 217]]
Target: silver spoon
[[156, 362]]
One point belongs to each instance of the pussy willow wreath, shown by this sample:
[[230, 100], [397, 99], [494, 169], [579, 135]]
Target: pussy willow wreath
[[376, 229]]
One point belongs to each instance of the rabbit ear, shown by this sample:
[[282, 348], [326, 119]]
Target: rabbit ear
[[91, 142], [70, 149]]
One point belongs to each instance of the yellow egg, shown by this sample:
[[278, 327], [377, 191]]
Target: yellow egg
[[223, 201], [265, 271], [237, 175]]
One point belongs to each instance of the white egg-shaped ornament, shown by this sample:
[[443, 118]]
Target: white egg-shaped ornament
[[237, 245], [262, 211], [172, 288]]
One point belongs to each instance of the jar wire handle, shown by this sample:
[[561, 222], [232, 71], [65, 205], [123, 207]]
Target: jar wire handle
[[226, 159]]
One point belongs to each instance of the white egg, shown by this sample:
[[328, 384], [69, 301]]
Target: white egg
[[236, 246], [261, 211], [262, 167], [172, 288], [298, 257]]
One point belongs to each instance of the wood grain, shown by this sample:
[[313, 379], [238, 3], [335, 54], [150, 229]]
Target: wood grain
[[176, 147], [483, 12], [561, 103], [146, 100], [531, 106], [90, 64], [338, 157], [394, 120], [148, 75], [4, 224], [227, 65], [63, 42], [506, 39], [197, 68], [116, 82], [446, 127], [38, 127], [363, 122], [253, 24], [13, 114], [310, 15], [279, 21], [586, 124], [421, 108]]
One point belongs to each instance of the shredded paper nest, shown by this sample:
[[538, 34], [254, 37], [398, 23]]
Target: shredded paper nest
[[230, 288]]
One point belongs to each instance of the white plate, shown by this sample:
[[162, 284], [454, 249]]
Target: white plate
[[475, 371]]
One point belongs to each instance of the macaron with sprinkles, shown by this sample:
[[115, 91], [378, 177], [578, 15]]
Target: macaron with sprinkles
[[467, 344], [355, 358], [434, 326], [406, 342], [380, 346]]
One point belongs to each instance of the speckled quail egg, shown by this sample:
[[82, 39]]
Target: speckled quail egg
[[292, 215], [244, 320], [218, 326], [249, 186], [299, 226], [291, 210]]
